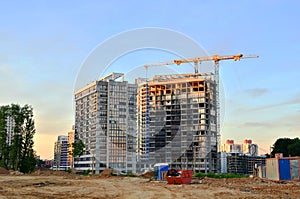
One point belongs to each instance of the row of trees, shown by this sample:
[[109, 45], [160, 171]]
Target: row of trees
[[286, 146], [17, 154]]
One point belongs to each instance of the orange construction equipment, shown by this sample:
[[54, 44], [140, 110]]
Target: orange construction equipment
[[179, 177]]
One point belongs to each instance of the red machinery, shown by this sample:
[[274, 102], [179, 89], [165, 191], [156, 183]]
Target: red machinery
[[179, 176]]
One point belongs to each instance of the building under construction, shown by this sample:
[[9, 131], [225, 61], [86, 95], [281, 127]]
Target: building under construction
[[240, 163], [177, 122], [171, 119]]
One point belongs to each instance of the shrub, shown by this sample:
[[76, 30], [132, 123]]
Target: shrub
[[220, 175], [128, 175]]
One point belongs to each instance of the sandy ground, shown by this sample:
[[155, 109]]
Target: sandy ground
[[72, 186]]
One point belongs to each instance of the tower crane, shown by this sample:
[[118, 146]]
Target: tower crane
[[158, 64], [196, 60], [216, 59]]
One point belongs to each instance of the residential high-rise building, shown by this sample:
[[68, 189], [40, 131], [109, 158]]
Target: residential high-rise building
[[61, 153], [70, 147], [10, 125], [231, 147], [177, 122], [105, 121], [249, 148]]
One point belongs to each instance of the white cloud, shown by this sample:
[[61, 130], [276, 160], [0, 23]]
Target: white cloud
[[256, 92]]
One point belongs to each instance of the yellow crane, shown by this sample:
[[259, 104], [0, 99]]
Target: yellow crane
[[196, 60], [157, 64], [216, 59]]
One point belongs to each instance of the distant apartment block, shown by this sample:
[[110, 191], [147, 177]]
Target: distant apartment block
[[231, 147], [247, 148], [10, 125], [61, 153], [177, 122], [105, 121], [240, 158], [71, 136]]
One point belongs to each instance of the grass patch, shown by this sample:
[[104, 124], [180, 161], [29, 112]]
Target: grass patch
[[220, 175]]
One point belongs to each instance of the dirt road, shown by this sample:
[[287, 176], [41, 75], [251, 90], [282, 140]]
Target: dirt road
[[125, 187]]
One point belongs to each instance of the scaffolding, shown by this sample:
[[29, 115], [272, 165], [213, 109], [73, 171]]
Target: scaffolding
[[242, 164], [177, 122]]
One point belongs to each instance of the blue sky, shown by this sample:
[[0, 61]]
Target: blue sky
[[44, 43]]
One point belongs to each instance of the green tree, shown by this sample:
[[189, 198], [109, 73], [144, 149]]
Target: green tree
[[15, 112], [78, 148], [28, 157], [294, 148], [19, 154], [286, 146]]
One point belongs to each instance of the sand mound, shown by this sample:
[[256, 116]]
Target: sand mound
[[3, 171], [148, 174], [124, 187], [51, 173], [106, 172], [41, 169], [16, 173]]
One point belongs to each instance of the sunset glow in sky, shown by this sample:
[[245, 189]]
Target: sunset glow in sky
[[44, 43]]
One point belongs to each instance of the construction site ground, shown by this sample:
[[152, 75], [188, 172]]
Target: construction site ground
[[64, 185]]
